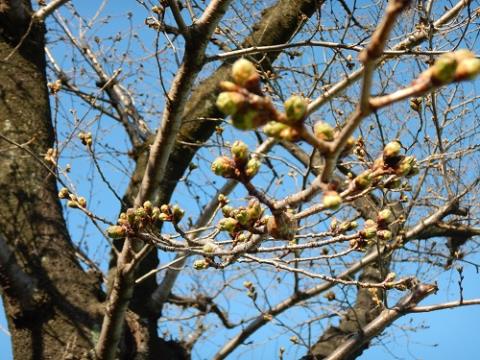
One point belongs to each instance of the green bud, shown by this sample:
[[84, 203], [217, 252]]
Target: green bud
[[392, 149], [369, 232], [468, 69], [252, 167], [405, 166], [228, 224], [242, 216], [295, 109], [248, 284], [223, 166], [323, 131], [229, 102], [385, 216], [254, 209], [243, 71], [334, 225], [165, 209], [72, 204], [148, 206], [209, 247], [131, 216], [227, 211], [200, 264], [364, 180], [245, 120], [385, 235], [241, 237], [116, 232], [443, 70], [331, 200], [156, 213], [177, 213], [370, 224], [274, 129], [290, 134], [140, 212], [240, 152]]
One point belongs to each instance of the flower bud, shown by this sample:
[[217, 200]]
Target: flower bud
[[244, 72], [116, 232], [131, 216], [468, 69], [385, 235], [254, 209], [364, 180], [242, 216], [369, 232], [177, 213], [415, 103], [252, 167], [82, 202], [164, 217], [282, 226], [72, 204], [245, 120], [443, 70], [331, 200], [140, 212], [209, 247], [228, 224], [240, 152], [334, 225], [229, 102], [227, 211], [223, 166], [229, 86], [405, 166], [63, 193], [295, 109], [200, 264], [290, 134], [392, 150], [323, 131], [274, 129], [385, 216], [156, 213]]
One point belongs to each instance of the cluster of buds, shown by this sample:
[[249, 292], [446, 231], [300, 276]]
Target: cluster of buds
[[393, 162], [85, 138], [343, 227], [143, 217], [251, 291], [242, 98], [242, 166], [237, 219], [375, 229], [74, 201], [282, 226], [455, 66]]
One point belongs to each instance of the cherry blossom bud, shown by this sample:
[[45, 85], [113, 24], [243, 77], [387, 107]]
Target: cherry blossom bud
[[385, 235], [331, 200], [209, 247], [468, 69], [364, 180], [252, 167], [385, 216], [223, 166], [244, 73], [116, 232], [240, 152], [230, 102], [323, 131], [274, 129], [392, 150], [290, 134], [295, 109], [63, 193], [228, 224], [82, 202], [200, 264], [443, 70]]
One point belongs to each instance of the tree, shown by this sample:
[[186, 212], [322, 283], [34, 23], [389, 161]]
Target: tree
[[342, 206]]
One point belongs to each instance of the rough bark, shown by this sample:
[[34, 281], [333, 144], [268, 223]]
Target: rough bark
[[63, 309]]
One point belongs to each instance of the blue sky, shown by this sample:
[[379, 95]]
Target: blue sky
[[441, 335]]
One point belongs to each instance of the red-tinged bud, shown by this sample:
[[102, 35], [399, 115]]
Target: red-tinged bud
[[323, 131], [252, 167], [295, 109], [274, 129], [230, 102], [224, 166], [385, 217], [290, 134], [240, 152], [282, 226], [82, 202], [116, 232], [331, 200], [244, 73]]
